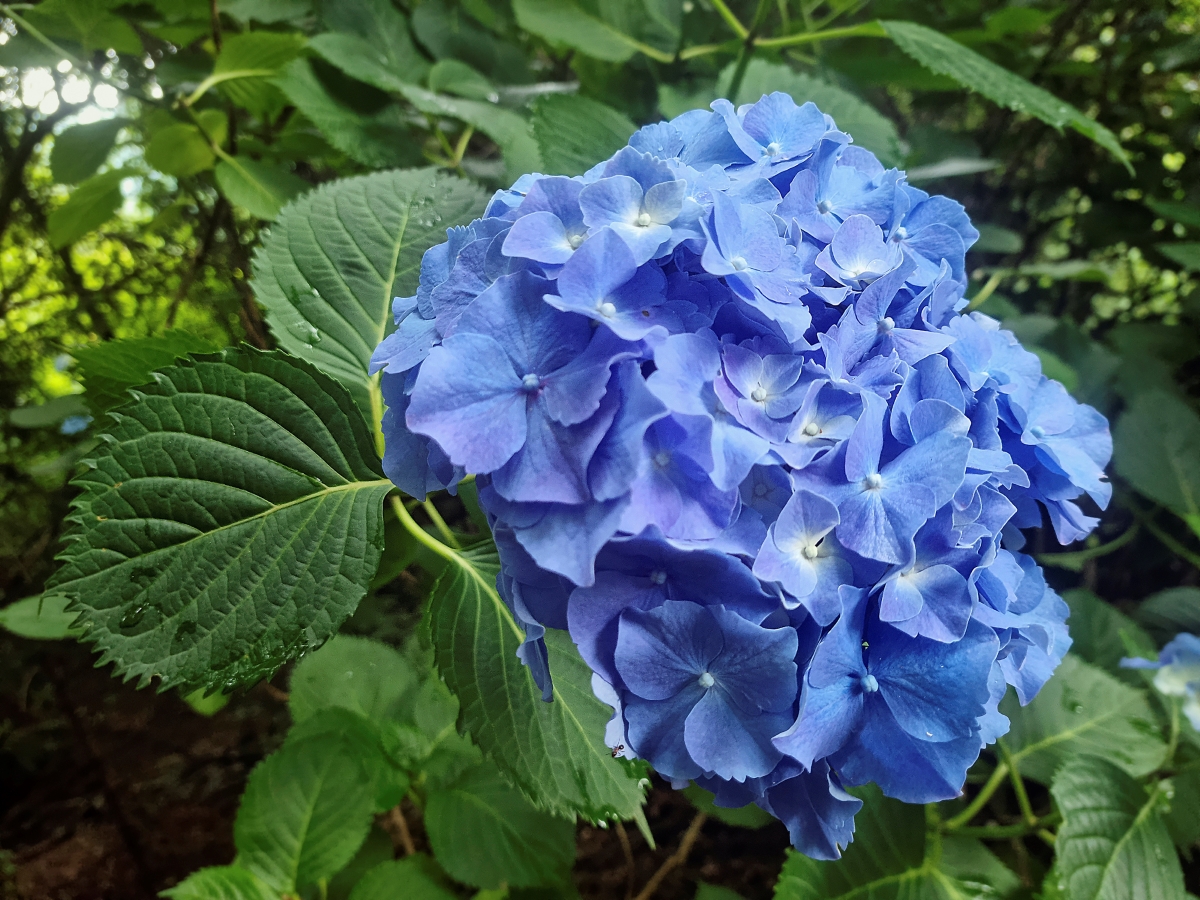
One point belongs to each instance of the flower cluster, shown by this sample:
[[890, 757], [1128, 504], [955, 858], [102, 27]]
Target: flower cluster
[[1178, 673], [734, 432]]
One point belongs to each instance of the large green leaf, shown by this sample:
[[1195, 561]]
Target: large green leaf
[[231, 521], [565, 22], [109, 369], [1083, 709], [306, 810], [246, 63], [379, 140], [1169, 612], [180, 150], [945, 56], [1183, 818], [258, 187], [886, 861], [574, 133], [364, 741], [511, 841], [555, 751], [1112, 844], [81, 149], [90, 205], [1184, 253], [1103, 635], [1156, 446], [402, 879], [366, 677], [221, 883], [869, 127], [331, 265], [92, 25]]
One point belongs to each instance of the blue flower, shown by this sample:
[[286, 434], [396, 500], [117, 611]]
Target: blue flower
[[707, 690], [1178, 673], [733, 432]]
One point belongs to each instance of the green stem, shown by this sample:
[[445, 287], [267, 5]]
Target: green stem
[[705, 49], [1018, 783], [730, 19], [1076, 558], [1169, 542], [866, 29], [981, 799], [422, 536], [1003, 832], [1173, 741], [747, 51], [985, 291], [440, 524]]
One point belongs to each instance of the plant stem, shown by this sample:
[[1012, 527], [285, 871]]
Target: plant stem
[[1075, 559], [420, 533], [678, 858], [1169, 542], [866, 29], [1001, 832], [627, 849], [440, 524], [747, 51], [985, 291], [730, 19], [981, 799], [1018, 783], [399, 824]]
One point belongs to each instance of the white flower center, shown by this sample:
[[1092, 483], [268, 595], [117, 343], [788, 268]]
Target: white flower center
[[662, 459], [900, 234], [658, 576], [575, 240], [759, 394], [1037, 432], [824, 207], [706, 680], [873, 482], [886, 324], [606, 309], [738, 262], [773, 149], [810, 551], [870, 684], [643, 219], [531, 382], [812, 429]]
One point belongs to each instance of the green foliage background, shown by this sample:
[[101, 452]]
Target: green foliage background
[[156, 200]]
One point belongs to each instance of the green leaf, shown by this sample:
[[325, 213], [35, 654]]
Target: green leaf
[[511, 842], [44, 415], [245, 64], [749, 816], [179, 150], [232, 520], [1155, 448], [90, 205], [364, 676], [452, 76], [266, 11], [870, 128], [555, 751], [505, 127], [364, 741], [1169, 612], [221, 883], [110, 368], [574, 133], [886, 860], [376, 227], [81, 149], [306, 811], [945, 56], [1185, 254], [1083, 709], [401, 879], [565, 22], [90, 24], [387, 53], [1185, 213], [376, 850], [1112, 844], [379, 140], [257, 187], [1103, 635], [970, 861], [39, 618], [995, 239], [1183, 818]]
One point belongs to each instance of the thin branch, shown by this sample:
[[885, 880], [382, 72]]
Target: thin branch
[[1169, 542], [981, 799], [676, 859], [730, 19], [397, 828], [440, 524], [206, 243], [1018, 782], [627, 849]]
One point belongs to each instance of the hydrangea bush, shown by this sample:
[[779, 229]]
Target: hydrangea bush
[[735, 429]]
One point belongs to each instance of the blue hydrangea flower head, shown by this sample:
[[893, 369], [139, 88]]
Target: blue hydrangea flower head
[[1178, 673], [734, 432]]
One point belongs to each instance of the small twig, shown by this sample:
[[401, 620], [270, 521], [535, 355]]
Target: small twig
[[630, 873], [440, 524], [275, 693], [202, 252], [981, 799], [1018, 783], [397, 827], [676, 859]]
